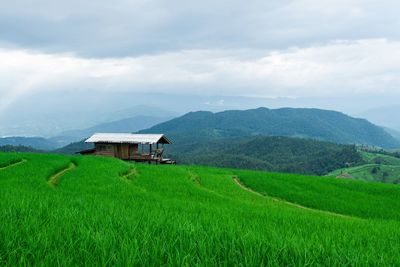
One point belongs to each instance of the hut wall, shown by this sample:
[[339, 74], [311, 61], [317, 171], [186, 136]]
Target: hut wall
[[105, 149], [121, 151], [133, 149], [124, 151]]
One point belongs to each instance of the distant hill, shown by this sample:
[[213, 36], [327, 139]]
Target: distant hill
[[74, 147], [9, 148], [306, 123], [37, 143], [278, 154]]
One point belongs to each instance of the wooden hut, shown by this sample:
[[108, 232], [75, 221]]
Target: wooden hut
[[126, 146]]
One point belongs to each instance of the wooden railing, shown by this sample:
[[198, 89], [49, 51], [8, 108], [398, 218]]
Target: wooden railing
[[144, 157]]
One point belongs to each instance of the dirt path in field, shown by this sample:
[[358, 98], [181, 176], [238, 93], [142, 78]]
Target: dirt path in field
[[239, 183], [13, 164], [129, 175], [55, 179]]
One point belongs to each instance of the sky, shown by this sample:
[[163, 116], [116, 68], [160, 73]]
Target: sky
[[339, 50]]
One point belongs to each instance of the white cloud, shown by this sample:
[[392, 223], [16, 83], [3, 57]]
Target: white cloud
[[347, 68]]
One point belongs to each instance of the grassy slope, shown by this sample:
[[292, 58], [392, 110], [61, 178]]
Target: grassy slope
[[388, 164], [348, 197], [181, 215]]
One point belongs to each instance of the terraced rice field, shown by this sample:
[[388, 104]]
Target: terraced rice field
[[67, 211]]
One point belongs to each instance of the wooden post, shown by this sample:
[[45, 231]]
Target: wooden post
[[156, 152], [150, 154]]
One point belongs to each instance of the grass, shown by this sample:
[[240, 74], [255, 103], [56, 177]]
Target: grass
[[347, 197], [110, 213], [9, 161]]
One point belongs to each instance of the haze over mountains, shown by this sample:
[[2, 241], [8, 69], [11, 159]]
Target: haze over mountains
[[205, 125], [45, 114], [122, 120], [48, 116], [133, 124], [387, 116]]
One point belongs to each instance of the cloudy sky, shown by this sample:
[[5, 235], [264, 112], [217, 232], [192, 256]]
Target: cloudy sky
[[281, 48]]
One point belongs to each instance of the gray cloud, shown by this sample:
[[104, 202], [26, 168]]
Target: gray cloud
[[125, 28]]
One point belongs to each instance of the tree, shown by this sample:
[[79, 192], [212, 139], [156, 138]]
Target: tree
[[375, 170]]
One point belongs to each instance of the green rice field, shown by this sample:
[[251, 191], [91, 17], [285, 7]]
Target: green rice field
[[90, 211]]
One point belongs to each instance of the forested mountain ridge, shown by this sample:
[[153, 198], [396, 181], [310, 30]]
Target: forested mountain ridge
[[269, 153], [293, 122], [37, 143]]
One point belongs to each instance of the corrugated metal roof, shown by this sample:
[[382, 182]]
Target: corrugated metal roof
[[128, 138]]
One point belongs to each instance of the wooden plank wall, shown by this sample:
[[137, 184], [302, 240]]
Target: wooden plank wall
[[121, 151], [105, 149]]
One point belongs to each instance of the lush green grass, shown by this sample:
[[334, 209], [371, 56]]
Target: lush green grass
[[377, 168], [108, 212], [348, 197]]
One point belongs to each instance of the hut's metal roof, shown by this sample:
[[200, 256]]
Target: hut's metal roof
[[128, 138]]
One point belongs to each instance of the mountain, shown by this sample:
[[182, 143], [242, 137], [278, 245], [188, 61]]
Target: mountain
[[10, 148], [255, 139], [38, 143], [74, 147], [293, 122]]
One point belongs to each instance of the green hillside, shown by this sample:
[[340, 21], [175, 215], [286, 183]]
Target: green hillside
[[68, 211], [294, 122], [9, 148], [378, 167], [270, 153]]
